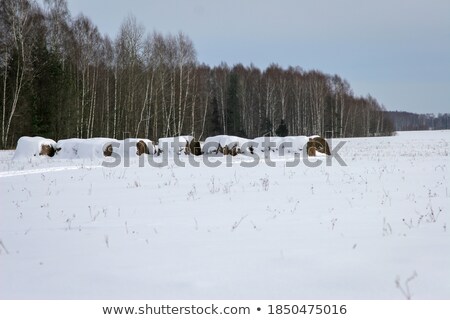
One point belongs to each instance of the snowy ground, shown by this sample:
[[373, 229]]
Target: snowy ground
[[374, 229]]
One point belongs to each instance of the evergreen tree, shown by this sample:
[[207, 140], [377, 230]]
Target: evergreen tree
[[233, 115], [48, 95], [215, 127], [282, 130]]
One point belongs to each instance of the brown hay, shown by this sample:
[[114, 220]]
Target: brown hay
[[142, 148], [234, 150], [108, 151], [47, 150], [225, 150], [195, 148], [311, 151], [321, 145]]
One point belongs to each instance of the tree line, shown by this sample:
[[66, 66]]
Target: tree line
[[407, 121], [62, 78]]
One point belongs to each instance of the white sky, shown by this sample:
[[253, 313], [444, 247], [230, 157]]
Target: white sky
[[396, 50]]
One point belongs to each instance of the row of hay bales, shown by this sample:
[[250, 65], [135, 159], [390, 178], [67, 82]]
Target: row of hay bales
[[222, 144], [232, 145], [28, 147]]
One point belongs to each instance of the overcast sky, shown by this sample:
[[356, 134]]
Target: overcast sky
[[396, 50]]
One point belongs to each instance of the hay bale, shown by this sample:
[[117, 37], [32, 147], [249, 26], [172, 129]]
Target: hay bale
[[234, 150], [93, 148], [107, 152], [142, 148], [28, 147], [195, 148], [47, 150], [218, 143], [174, 145], [228, 150], [321, 145], [225, 150]]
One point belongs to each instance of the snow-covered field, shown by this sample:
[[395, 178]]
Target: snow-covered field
[[377, 228]]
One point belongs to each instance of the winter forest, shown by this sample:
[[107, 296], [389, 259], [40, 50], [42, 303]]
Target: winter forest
[[61, 78]]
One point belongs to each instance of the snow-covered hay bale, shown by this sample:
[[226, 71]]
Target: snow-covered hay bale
[[320, 144], [28, 147], [134, 147], [47, 150], [172, 145], [142, 147], [107, 152], [224, 144], [195, 148], [95, 148]]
